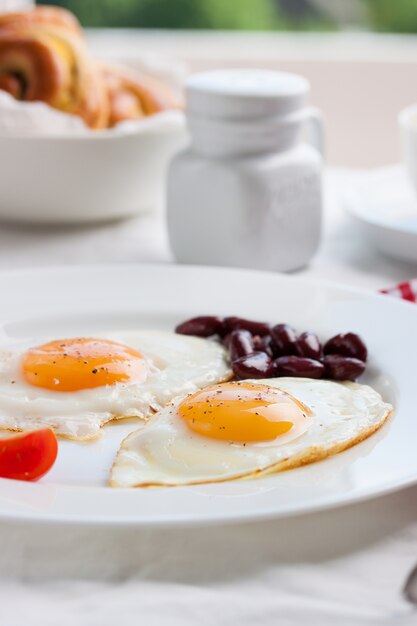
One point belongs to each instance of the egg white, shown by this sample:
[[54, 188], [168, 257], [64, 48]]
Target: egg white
[[166, 452], [176, 365]]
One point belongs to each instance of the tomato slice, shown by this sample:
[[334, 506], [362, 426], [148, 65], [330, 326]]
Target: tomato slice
[[28, 456]]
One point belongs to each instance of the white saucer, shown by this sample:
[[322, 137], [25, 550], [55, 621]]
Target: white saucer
[[384, 204]]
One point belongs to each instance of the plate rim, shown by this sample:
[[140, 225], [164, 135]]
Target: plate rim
[[83, 267], [187, 522]]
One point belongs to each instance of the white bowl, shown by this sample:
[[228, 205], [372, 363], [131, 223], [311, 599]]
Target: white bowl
[[88, 177]]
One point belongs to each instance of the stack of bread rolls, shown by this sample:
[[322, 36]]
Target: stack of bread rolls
[[44, 57]]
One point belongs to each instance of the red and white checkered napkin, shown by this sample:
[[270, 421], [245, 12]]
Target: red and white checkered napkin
[[406, 290]]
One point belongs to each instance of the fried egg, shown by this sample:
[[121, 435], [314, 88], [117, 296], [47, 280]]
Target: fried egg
[[76, 385], [246, 429]]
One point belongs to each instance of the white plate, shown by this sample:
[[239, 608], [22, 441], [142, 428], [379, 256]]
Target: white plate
[[58, 302], [384, 205]]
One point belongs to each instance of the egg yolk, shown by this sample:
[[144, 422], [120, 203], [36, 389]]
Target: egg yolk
[[84, 363], [245, 412]]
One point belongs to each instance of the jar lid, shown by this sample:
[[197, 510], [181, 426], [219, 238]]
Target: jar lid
[[245, 93]]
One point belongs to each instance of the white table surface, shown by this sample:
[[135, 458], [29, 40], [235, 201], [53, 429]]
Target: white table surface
[[344, 566]]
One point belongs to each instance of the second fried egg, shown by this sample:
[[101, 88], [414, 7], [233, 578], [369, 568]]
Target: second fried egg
[[246, 429]]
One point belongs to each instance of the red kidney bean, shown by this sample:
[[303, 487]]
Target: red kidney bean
[[238, 323], [203, 326], [264, 344], [308, 345], [240, 344], [255, 365], [257, 342], [284, 339], [340, 367], [298, 366], [347, 344]]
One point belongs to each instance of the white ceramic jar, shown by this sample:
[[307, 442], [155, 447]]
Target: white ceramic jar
[[247, 191]]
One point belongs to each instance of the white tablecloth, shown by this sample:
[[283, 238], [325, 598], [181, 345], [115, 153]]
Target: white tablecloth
[[345, 566]]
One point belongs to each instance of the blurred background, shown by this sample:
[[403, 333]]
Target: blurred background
[[378, 15], [359, 55]]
